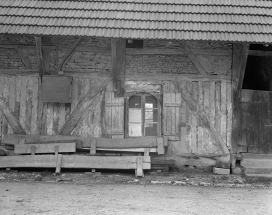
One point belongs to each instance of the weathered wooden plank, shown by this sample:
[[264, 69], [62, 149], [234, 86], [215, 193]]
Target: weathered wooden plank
[[28, 112], [74, 161], [13, 122], [206, 136], [43, 148], [12, 97], [23, 101], [140, 142], [240, 53], [212, 110], [35, 102], [79, 110], [6, 97], [229, 115], [200, 129], [203, 116], [50, 117], [1, 95], [224, 111], [61, 116], [194, 120], [56, 118]]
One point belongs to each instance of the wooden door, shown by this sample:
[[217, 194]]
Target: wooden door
[[114, 119], [256, 131]]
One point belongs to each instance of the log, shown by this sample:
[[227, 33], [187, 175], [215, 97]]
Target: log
[[81, 107], [143, 142], [13, 122], [44, 148], [74, 161]]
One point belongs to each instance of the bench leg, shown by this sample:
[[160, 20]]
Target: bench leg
[[139, 167]]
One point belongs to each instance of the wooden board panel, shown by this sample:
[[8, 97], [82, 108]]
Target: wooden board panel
[[114, 117], [141, 142], [43, 148], [56, 89], [74, 161], [171, 115]]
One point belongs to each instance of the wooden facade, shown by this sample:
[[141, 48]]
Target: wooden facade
[[193, 121]]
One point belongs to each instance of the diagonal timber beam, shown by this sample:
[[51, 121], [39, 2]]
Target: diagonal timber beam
[[203, 116], [193, 58], [81, 107], [13, 122], [70, 53], [19, 51]]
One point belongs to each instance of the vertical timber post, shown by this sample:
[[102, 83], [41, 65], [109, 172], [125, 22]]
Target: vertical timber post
[[239, 60], [118, 54]]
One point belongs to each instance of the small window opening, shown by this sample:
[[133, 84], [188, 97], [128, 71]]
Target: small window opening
[[258, 73], [134, 44], [142, 116]]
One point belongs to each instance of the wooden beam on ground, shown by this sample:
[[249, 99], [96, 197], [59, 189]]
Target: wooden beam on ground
[[118, 55], [81, 107], [141, 142], [40, 139], [239, 60], [41, 66], [74, 161], [203, 116], [69, 53], [20, 52], [44, 148], [13, 122], [193, 58]]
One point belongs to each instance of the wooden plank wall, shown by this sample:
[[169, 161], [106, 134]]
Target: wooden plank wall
[[215, 97], [21, 93]]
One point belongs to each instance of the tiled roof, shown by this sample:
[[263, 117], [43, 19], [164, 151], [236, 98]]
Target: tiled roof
[[217, 20]]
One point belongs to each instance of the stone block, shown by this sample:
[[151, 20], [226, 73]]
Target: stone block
[[221, 171]]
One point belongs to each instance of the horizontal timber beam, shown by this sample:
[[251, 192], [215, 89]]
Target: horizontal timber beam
[[74, 161]]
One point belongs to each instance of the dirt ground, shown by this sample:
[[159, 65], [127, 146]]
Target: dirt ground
[[178, 177], [186, 191], [123, 199]]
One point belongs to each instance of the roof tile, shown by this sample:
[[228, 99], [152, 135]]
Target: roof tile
[[219, 20]]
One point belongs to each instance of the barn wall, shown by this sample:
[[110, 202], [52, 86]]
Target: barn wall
[[21, 92], [215, 99]]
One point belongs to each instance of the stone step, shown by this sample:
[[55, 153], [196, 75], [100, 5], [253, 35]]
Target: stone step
[[256, 162], [259, 175], [259, 171], [259, 156]]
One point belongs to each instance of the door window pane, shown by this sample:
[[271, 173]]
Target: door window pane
[[135, 129], [135, 102]]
